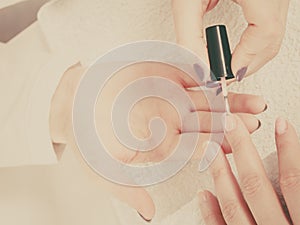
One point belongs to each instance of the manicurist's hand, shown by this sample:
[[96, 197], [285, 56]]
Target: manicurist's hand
[[259, 43], [253, 200], [245, 106]]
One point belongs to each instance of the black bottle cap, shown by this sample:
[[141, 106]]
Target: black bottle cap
[[219, 52]]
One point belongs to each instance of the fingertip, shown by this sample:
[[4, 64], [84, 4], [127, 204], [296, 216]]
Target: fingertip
[[281, 126], [205, 198], [148, 212], [229, 122], [286, 136], [236, 132], [241, 73], [257, 104], [203, 202], [246, 103], [250, 121], [209, 208], [144, 205], [145, 219]]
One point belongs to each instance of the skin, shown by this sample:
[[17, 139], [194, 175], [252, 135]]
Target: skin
[[249, 53], [253, 200], [245, 106], [260, 41]]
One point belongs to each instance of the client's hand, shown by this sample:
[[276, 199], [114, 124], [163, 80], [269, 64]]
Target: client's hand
[[253, 200], [140, 115]]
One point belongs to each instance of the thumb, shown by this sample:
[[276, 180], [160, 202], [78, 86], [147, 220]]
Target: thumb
[[253, 51], [261, 40]]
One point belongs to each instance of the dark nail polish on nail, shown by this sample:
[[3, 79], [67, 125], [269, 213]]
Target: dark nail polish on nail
[[147, 220], [241, 74], [259, 125], [219, 90], [199, 71], [266, 107], [212, 84]]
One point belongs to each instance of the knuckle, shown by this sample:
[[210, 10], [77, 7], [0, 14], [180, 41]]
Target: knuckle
[[251, 184], [229, 210], [290, 180], [274, 30]]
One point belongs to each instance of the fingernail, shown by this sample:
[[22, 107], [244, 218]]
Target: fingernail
[[240, 74], [229, 122], [147, 220], [202, 197], [280, 126], [211, 150], [266, 107], [219, 90]]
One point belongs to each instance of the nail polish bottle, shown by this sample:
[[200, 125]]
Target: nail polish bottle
[[219, 53]]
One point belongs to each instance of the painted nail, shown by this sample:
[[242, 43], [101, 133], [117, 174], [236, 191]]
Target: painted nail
[[147, 220], [211, 150], [219, 90], [240, 74], [212, 84], [280, 126], [266, 107], [199, 71], [229, 122]]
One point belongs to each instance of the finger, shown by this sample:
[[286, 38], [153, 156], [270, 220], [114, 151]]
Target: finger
[[137, 198], [253, 51], [208, 137], [246, 103], [189, 24], [239, 103], [233, 206], [256, 187], [210, 209], [288, 149], [211, 122], [264, 33], [205, 154]]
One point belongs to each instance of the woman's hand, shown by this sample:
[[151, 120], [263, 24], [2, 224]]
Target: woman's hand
[[253, 200], [259, 43], [140, 116]]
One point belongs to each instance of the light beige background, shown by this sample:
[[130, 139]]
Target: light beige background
[[62, 194]]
